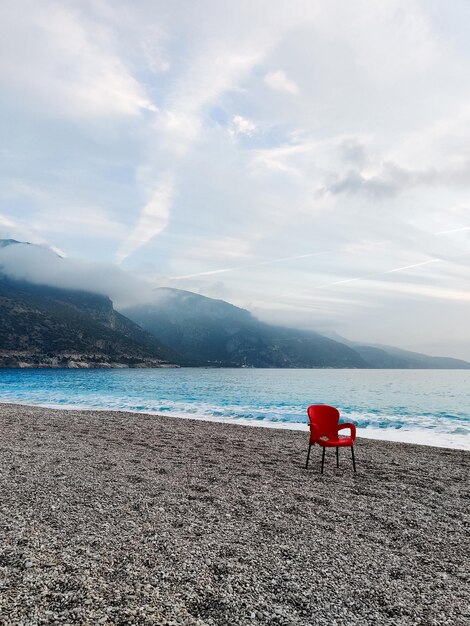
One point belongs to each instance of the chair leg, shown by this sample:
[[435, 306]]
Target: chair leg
[[323, 459], [308, 455], [337, 456], [353, 459]]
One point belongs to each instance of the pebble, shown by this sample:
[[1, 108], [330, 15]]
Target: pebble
[[126, 542]]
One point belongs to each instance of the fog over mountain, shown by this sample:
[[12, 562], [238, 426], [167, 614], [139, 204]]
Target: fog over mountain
[[56, 307], [42, 266], [212, 332]]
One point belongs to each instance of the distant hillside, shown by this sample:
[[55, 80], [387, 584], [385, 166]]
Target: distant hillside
[[389, 357], [44, 326], [213, 332], [9, 242]]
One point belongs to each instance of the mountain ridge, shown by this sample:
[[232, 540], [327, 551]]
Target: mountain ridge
[[46, 326], [43, 326], [383, 356], [216, 333], [221, 334]]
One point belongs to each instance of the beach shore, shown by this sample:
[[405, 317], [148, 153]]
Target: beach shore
[[124, 518]]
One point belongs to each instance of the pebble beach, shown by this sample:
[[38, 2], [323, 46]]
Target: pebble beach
[[123, 518]]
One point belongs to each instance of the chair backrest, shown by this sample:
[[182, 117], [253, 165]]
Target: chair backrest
[[325, 419]]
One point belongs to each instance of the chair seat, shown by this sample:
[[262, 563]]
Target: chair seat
[[335, 443]]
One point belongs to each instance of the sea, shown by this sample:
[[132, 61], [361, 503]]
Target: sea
[[430, 407]]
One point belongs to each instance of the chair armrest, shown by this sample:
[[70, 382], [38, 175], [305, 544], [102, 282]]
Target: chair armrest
[[349, 425], [314, 434]]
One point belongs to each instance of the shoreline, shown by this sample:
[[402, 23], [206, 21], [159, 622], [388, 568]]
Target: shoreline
[[420, 437], [118, 518]]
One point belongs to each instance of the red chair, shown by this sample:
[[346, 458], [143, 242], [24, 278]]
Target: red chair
[[324, 430]]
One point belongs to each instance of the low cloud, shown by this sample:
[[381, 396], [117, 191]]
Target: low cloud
[[42, 266]]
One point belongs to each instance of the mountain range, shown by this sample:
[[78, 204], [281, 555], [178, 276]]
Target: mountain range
[[213, 332], [45, 326]]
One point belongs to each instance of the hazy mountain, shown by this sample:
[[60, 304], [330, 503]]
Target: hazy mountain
[[388, 357], [214, 332], [8, 242], [50, 327], [54, 326]]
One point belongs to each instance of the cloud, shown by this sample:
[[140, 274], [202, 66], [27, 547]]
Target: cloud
[[152, 221], [205, 248], [279, 82], [387, 183], [111, 148], [42, 266], [180, 123], [391, 180], [17, 229], [6, 222], [66, 63], [289, 158], [353, 152], [242, 126]]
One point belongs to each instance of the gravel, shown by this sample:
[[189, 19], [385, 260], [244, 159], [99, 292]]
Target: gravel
[[118, 518]]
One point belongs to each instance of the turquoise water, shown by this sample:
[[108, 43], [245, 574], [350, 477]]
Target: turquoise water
[[424, 406]]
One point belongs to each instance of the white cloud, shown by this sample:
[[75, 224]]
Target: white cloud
[[19, 230], [65, 64], [58, 251], [6, 222], [279, 82], [100, 99], [89, 221], [39, 265], [221, 247], [242, 126], [152, 221], [288, 158], [208, 77]]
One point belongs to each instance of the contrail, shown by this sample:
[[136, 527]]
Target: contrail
[[245, 267], [305, 256], [395, 269], [226, 269], [453, 230], [398, 269], [407, 267]]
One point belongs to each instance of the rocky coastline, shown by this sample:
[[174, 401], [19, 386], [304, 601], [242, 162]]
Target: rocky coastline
[[77, 361]]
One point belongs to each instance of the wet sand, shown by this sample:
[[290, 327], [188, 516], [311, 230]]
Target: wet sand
[[118, 518]]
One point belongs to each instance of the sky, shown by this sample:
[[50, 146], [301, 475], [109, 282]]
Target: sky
[[307, 160]]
